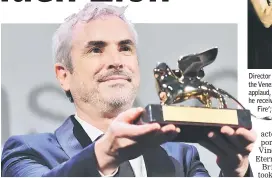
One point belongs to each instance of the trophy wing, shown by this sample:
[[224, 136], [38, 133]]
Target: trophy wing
[[192, 65]]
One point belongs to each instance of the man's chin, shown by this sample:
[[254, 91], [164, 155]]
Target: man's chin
[[118, 95], [118, 99]]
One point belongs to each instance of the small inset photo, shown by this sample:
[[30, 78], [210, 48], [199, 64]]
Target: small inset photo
[[259, 34]]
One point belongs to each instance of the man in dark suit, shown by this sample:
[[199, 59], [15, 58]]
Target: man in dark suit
[[96, 65]]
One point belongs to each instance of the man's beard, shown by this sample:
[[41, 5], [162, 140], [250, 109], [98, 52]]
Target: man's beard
[[109, 98], [118, 96]]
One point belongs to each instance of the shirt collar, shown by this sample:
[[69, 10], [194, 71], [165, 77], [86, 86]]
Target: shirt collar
[[91, 131]]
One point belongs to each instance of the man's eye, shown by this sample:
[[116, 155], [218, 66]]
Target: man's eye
[[95, 50], [125, 48]]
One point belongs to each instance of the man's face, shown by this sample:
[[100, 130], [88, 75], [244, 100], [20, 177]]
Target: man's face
[[105, 64]]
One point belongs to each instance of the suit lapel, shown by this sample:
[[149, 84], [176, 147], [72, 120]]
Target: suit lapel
[[72, 137]]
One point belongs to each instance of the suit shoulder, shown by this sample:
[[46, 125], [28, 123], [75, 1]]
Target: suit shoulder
[[29, 140], [32, 137]]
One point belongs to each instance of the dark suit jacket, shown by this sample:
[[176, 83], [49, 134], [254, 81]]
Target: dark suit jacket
[[70, 152]]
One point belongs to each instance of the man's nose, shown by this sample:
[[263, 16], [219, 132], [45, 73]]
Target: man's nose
[[115, 61]]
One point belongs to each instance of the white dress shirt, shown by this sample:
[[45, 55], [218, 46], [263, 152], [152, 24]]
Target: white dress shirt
[[137, 164]]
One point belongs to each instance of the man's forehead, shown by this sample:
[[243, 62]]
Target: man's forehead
[[109, 29]]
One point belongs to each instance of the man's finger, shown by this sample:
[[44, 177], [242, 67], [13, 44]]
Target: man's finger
[[169, 128], [221, 143], [243, 147], [230, 134], [248, 136], [129, 130]]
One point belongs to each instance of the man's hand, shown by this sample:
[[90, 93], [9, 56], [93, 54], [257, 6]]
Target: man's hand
[[232, 149], [124, 140]]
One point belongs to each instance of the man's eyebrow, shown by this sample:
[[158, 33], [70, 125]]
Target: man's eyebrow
[[126, 42], [96, 43]]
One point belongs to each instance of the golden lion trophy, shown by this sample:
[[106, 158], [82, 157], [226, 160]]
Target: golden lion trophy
[[177, 86]]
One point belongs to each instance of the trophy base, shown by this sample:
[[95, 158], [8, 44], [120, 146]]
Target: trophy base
[[196, 122]]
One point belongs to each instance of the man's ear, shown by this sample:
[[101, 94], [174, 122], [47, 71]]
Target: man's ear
[[63, 76]]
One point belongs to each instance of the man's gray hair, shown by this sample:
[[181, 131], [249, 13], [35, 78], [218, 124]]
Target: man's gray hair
[[63, 36]]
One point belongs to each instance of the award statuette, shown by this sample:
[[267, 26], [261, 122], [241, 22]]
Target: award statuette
[[177, 86]]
